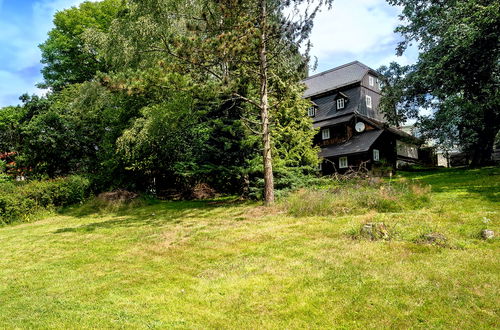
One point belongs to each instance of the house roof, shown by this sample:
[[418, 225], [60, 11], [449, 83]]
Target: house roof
[[333, 121], [358, 143], [343, 75]]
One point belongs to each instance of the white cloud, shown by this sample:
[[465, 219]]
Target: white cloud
[[12, 85], [20, 34], [356, 30]]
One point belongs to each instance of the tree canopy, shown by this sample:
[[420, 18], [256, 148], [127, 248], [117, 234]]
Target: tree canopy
[[164, 94], [66, 57], [456, 75]]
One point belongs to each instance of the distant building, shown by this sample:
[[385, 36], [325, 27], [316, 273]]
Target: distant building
[[345, 106]]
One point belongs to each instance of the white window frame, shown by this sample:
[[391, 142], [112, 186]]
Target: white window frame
[[371, 81], [376, 155], [325, 133], [340, 103], [343, 162], [311, 111], [368, 101]]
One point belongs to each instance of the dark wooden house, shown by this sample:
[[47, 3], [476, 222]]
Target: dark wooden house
[[345, 107]]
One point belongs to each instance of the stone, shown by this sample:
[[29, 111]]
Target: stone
[[487, 234], [434, 239], [374, 231]]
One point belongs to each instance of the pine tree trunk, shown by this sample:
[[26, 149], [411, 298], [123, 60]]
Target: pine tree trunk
[[264, 111]]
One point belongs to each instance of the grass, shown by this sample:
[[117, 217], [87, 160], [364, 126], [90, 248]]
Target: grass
[[227, 264]]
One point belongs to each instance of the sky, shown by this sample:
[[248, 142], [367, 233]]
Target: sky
[[352, 30]]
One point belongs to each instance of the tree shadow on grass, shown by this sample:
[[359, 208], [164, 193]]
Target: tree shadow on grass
[[156, 213]]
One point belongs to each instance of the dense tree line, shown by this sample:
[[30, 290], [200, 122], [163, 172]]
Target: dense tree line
[[166, 94]]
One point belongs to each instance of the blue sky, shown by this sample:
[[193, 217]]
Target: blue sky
[[353, 30]]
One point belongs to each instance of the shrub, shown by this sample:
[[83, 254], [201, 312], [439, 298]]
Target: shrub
[[19, 201]]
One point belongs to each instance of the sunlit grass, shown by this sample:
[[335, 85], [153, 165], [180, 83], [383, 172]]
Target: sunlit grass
[[227, 264]]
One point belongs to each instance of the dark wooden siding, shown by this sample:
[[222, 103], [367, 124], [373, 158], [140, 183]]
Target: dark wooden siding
[[327, 107]]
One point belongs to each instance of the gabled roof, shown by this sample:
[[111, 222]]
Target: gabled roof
[[340, 76], [358, 143]]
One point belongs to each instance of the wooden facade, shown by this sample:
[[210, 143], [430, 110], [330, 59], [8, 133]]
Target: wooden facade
[[376, 144]]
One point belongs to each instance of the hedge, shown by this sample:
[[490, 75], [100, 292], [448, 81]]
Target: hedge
[[18, 202]]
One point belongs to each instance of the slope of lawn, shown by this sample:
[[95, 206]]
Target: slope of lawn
[[227, 264]]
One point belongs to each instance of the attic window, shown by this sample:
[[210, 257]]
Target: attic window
[[368, 101], [371, 81], [325, 134], [311, 111], [340, 103]]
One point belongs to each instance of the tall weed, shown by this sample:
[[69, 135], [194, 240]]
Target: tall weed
[[357, 198]]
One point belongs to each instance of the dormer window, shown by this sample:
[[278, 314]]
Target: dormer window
[[340, 103], [341, 100], [311, 111], [371, 81]]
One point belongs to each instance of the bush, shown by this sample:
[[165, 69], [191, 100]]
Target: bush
[[357, 198], [19, 201]]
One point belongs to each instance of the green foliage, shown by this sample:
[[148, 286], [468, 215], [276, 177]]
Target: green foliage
[[161, 95], [217, 44], [18, 202], [3, 175], [67, 60], [457, 73], [10, 118], [167, 141]]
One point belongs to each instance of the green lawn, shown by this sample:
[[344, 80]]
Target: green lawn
[[239, 265]]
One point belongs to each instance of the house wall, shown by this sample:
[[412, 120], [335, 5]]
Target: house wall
[[338, 134], [406, 150], [330, 164], [386, 145], [366, 82], [374, 111]]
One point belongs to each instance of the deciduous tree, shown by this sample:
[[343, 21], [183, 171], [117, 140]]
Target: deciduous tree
[[458, 70]]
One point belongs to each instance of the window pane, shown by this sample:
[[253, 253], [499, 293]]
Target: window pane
[[340, 104], [311, 111], [368, 101], [343, 162], [325, 133]]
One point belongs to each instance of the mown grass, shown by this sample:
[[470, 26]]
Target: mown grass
[[227, 264]]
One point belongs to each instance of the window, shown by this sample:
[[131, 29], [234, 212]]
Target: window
[[320, 166], [376, 155], [368, 101], [371, 80], [311, 111], [340, 104], [343, 162], [325, 133]]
